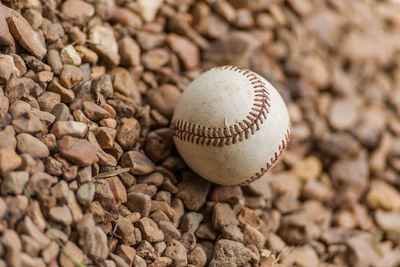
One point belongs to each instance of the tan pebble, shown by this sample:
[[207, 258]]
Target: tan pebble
[[187, 51], [383, 195], [103, 41], [69, 55], [308, 169], [71, 76], [343, 114], [78, 151], [7, 68], [87, 55], [71, 128], [77, 9]]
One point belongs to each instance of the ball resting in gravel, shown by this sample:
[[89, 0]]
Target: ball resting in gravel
[[230, 125]]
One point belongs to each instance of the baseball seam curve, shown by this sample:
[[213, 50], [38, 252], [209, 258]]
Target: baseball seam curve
[[238, 132]]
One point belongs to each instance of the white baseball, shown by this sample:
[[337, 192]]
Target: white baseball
[[230, 125]]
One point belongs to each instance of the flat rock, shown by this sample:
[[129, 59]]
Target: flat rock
[[70, 128], [129, 51], [24, 34], [94, 112], [5, 35], [32, 146], [61, 214], [105, 137], [77, 9], [67, 95], [155, 58], [48, 100], [308, 169], [253, 236], [169, 230], [78, 151], [303, 256], [197, 256], [118, 189], [223, 215], [40, 183], [29, 123], [126, 230], [191, 221]]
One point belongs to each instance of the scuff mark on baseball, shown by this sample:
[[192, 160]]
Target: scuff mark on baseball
[[230, 125]]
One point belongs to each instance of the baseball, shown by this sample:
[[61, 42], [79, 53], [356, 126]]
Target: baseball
[[230, 125]]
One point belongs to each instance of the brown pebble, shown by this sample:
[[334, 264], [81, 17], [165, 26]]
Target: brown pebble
[[223, 215], [129, 51], [150, 230], [71, 128], [32, 146], [193, 191], [77, 9], [71, 76], [105, 137], [67, 96], [61, 214], [94, 112], [118, 189], [29, 123], [164, 99], [128, 132], [48, 100], [343, 114], [138, 162], [24, 34], [103, 41], [78, 151], [139, 202], [186, 50]]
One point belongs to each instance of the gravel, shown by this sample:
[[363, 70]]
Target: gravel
[[87, 92]]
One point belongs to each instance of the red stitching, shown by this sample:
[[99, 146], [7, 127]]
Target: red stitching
[[238, 132], [270, 163]]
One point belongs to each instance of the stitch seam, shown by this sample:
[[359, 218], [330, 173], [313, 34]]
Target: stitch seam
[[277, 154], [190, 132], [238, 132]]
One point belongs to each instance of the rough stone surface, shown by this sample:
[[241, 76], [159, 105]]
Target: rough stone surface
[[78, 151], [230, 253], [31, 145]]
